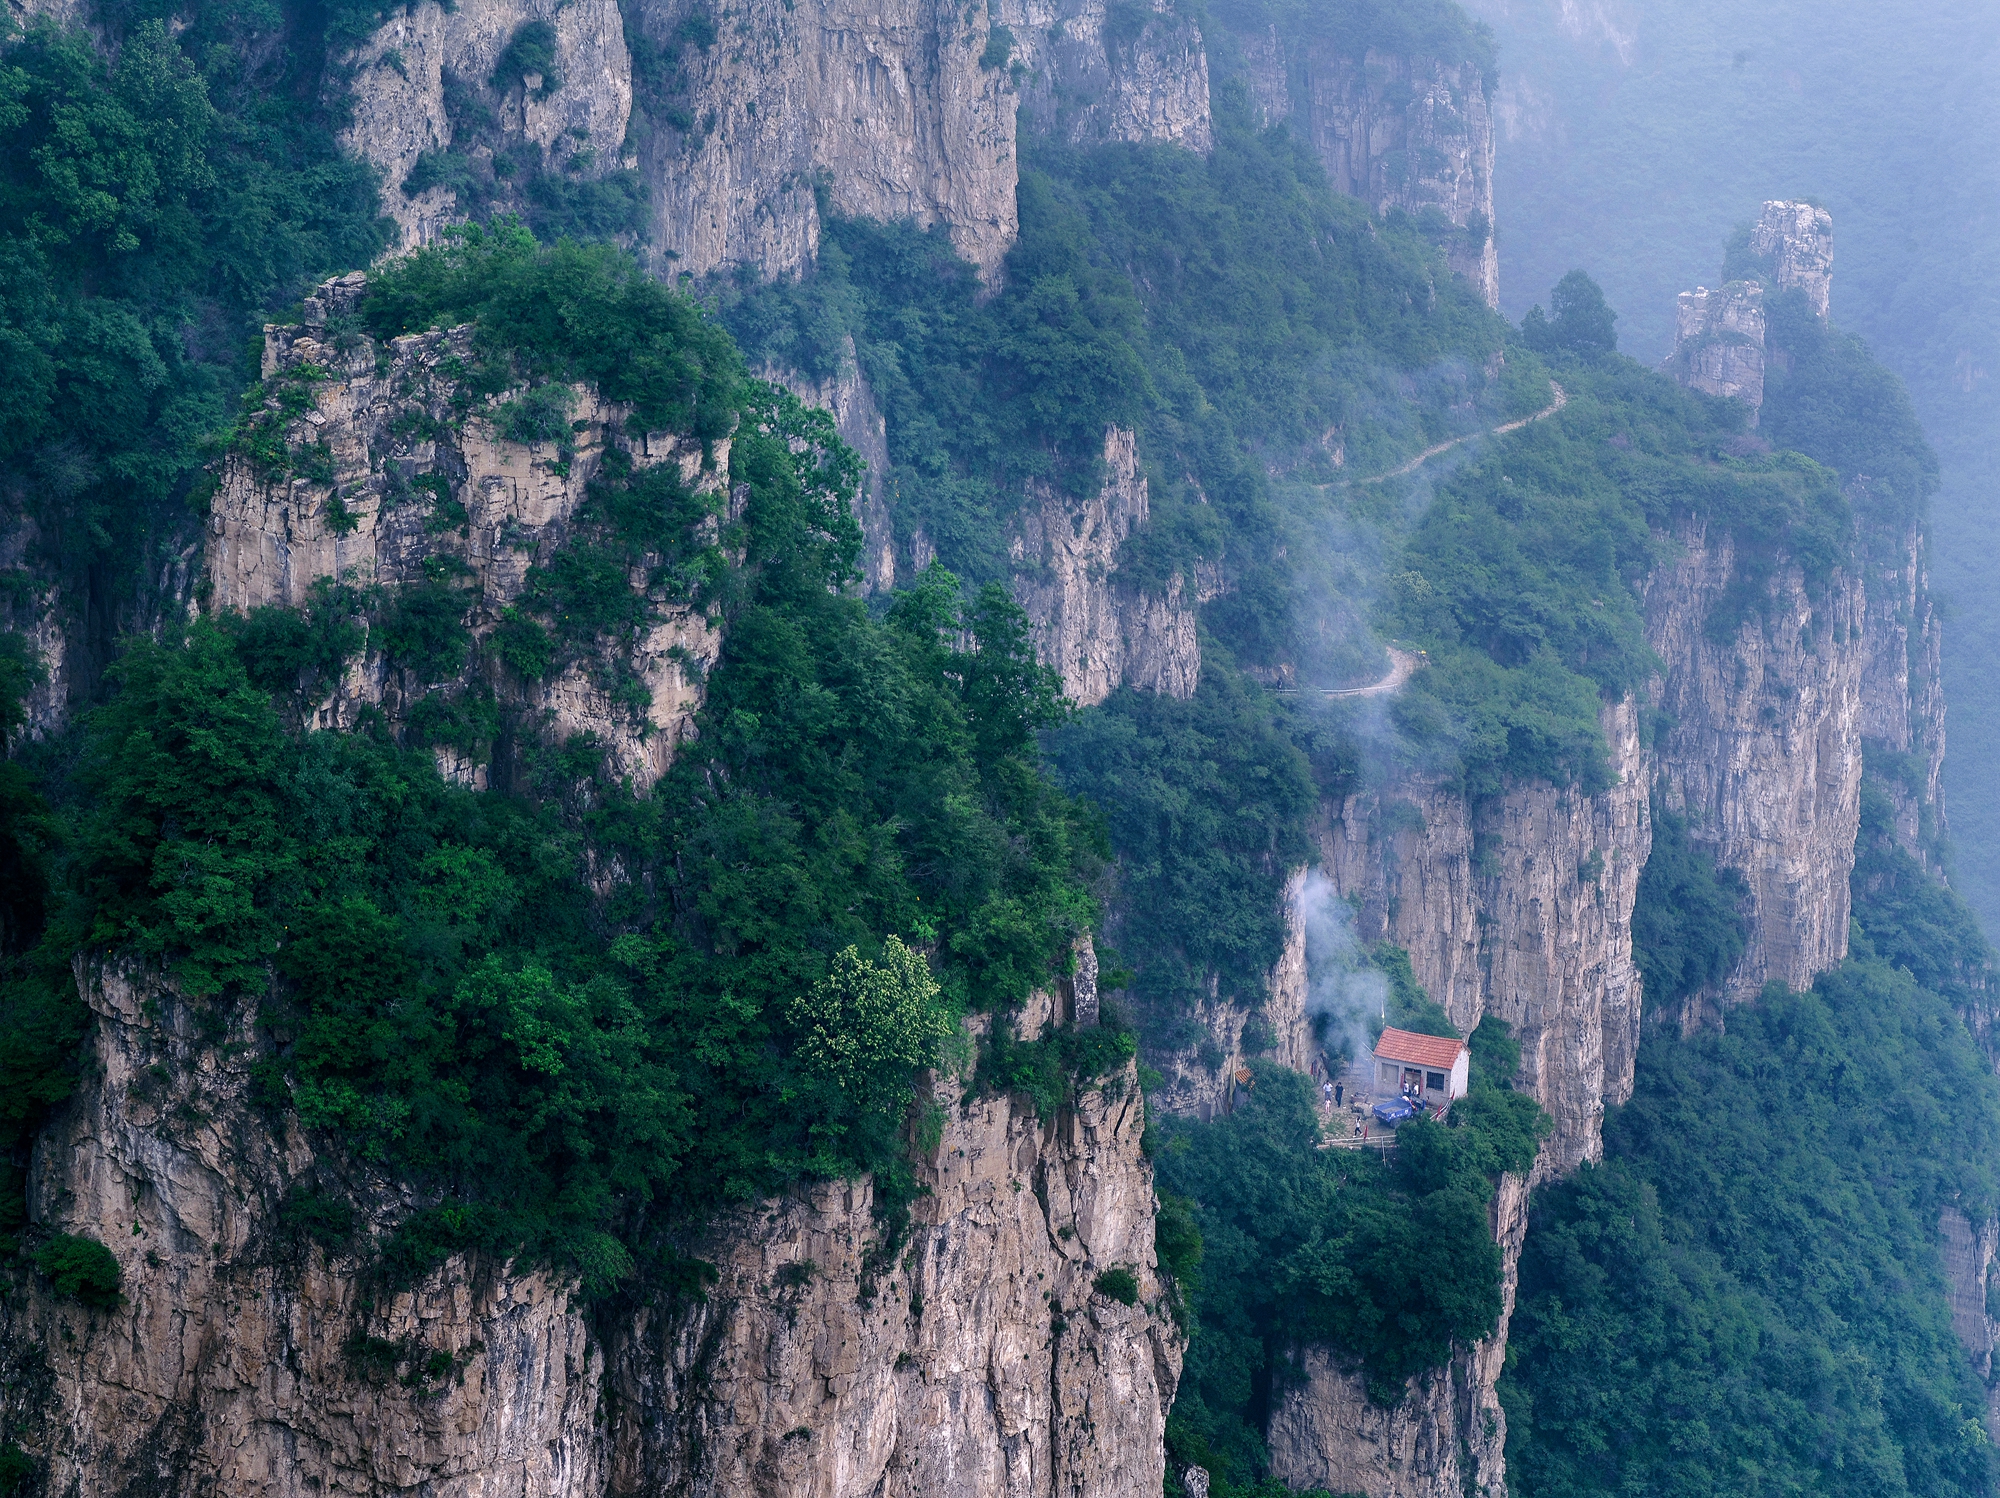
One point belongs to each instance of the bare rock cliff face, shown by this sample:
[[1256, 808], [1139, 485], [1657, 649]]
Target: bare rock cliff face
[[246, 1361], [426, 52], [1523, 910], [375, 512], [1396, 132], [1798, 239], [1719, 342], [1967, 1256], [1761, 745], [1902, 691], [1097, 73], [1098, 631]]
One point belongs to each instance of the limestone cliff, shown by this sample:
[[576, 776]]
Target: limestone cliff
[[1797, 240], [1760, 745], [1094, 72], [1902, 691], [430, 80], [1097, 630], [1411, 133], [1966, 1255], [386, 483], [1719, 342], [246, 1359], [847, 396]]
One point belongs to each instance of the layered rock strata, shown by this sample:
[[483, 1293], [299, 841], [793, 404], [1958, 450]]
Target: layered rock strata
[[1760, 746], [1411, 133], [1797, 239], [1719, 342], [405, 490], [1097, 630], [244, 1359], [1902, 692], [428, 55], [1092, 72]]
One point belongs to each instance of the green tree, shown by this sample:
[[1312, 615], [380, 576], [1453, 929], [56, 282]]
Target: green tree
[[867, 1026]]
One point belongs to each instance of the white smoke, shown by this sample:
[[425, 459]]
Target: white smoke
[[1343, 989]]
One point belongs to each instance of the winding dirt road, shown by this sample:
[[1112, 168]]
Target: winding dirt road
[[1403, 664], [1561, 400]]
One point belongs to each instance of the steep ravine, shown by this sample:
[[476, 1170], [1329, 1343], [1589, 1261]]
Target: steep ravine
[[248, 1359]]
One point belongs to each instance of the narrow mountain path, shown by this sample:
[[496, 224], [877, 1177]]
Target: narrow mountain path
[[1403, 664], [1561, 399]]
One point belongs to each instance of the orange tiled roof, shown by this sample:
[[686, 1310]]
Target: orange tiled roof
[[1412, 1049]]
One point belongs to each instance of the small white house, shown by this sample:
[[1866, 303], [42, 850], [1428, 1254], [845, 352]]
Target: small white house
[[1428, 1065]]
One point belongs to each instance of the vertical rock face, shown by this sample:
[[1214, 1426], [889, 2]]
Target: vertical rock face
[[982, 1360], [1967, 1256], [1098, 72], [885, 108], [1902, 690], [1398, 132], [1446, 1438], [850, 399], [427, 54], [1099, 632], [36, 614], [1798, 239], [1762, 745], [375, 511], [243, 1360], [1523, 910], [1719, 342], [1520, 909]]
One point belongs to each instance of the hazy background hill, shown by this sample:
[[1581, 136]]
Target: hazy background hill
[[1634, 134]]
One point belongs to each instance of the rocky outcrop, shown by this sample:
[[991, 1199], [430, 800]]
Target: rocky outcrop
[[889, 111], [1100, 632], [1966, 1256], [1095, 72], [1719, 342], [1902, 691], [426, 82], [1520, 909], [1797, 240], [847, 395], [1761, 742], [33, 608], [244, 1360], [386, 485], [1411, 133], [1445, 1438], [1202, 1080]]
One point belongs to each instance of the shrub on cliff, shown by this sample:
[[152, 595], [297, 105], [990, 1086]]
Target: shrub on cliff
[[80, 1269]]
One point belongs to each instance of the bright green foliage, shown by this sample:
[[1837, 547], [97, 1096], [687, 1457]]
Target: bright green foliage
[[1747, 1295], [567, 312], [80, 1269], [1050, 1072], [150, 212], [1687, 932], [866, 1026], [1206, 801], [858, 846], [1118, 1284], [1391, 1265]]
